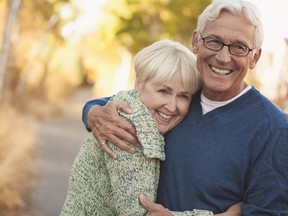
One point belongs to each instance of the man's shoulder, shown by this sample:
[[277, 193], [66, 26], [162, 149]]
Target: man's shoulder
[[276, 116]]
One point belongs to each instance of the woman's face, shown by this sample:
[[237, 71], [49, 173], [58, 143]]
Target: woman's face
[[168, 101]]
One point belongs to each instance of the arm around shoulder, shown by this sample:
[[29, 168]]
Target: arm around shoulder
[[87, 107]]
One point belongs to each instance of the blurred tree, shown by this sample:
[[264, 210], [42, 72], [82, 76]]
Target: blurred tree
[[102, 55], [282, 99], [14, 6], [33, 34], [39, 55], [141, 22], [128, 26]]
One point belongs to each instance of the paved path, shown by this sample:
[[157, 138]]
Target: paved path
[[59, 142]]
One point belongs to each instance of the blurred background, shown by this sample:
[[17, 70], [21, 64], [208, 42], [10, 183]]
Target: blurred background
[[57, 54]]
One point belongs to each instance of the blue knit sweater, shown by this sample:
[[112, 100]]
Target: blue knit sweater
[[238, 152]]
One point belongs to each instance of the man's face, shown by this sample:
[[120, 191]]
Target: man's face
[[222, 72]]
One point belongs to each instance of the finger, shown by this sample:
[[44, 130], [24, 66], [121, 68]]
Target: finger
[[128, 129], [123, 134], [105, 148], [146, 203], [153, 208], [121, 144], [123, 107], [114, 125], [109, 123], [106, 124]]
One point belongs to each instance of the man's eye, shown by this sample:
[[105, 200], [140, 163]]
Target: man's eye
[[213, 41], [239, 47]]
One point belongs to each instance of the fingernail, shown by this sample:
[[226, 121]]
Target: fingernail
[[113, 156], [140, 197], [129, 110], [132, 150]]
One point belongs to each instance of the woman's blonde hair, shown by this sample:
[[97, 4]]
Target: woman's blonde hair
[[159, 61]]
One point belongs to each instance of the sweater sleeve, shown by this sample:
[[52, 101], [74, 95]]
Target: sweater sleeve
[[83, 196], [195, 212], [132, 174], [267, 190]]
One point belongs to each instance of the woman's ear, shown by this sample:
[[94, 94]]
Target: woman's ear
[[195, 42], [137, 84]]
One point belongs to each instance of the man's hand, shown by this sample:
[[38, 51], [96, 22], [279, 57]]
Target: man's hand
[[153, 208], [106, 124]]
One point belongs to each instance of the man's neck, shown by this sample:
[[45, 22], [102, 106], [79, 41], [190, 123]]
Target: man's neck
[[225, 95], [209, 105]]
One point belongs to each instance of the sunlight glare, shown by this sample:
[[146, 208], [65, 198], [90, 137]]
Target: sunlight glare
[[87, 20], [273, 16], [271, 64]]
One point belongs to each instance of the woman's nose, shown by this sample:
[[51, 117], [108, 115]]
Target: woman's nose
[[171, 105]]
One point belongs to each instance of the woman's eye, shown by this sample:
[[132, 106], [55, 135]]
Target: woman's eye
[[185, 97], [163, 91]]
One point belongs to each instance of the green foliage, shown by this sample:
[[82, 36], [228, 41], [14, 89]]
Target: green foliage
[[141, 22]]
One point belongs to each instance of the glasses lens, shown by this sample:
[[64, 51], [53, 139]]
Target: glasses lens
[[239, 49], [212, 43]]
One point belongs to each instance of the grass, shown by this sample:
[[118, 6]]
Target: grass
[[17, 159]]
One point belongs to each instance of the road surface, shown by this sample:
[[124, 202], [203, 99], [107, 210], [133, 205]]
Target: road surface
[[59, 142]]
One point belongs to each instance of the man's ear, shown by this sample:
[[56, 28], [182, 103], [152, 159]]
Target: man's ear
[[195, 42], [255, 59]]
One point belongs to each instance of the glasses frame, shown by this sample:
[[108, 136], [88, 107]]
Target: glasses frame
[[224, 44]]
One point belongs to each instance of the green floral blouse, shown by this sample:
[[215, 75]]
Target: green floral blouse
[[100, 185]]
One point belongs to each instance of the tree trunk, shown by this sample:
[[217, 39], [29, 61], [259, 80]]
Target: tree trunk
[[7, 35]]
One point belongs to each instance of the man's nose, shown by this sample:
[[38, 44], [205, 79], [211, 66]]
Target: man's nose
[[224, 54]]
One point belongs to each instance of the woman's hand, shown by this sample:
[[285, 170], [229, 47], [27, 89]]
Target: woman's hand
[[158, 210], [106, 124], [153, 208]]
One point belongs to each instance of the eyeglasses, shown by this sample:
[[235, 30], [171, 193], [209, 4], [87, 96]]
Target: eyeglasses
[[237, 49]]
